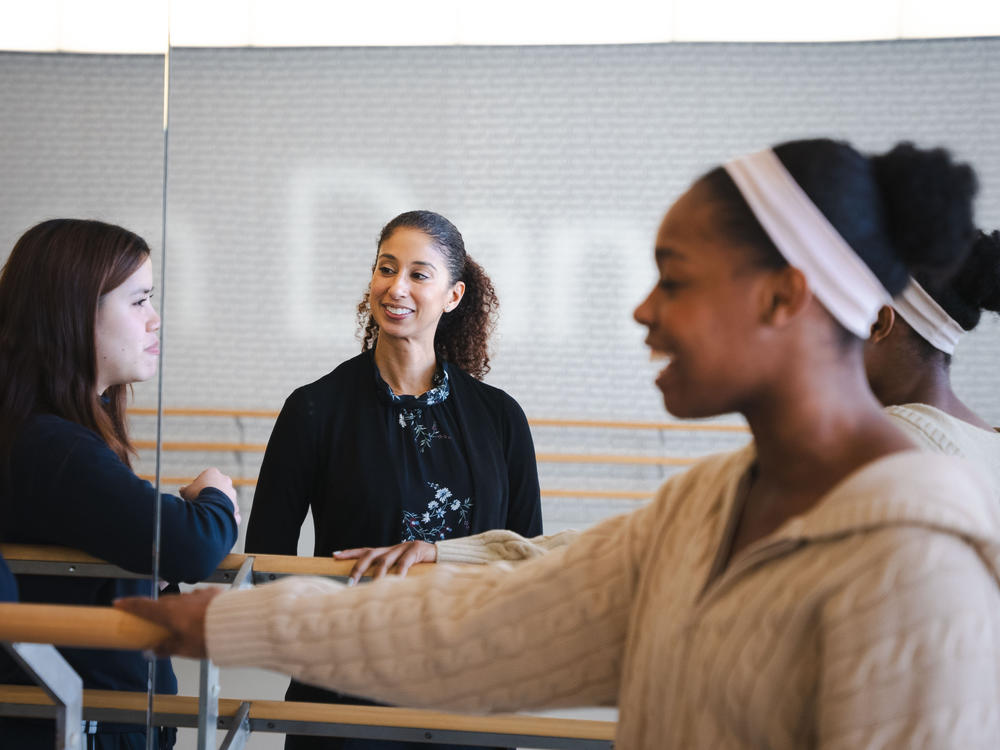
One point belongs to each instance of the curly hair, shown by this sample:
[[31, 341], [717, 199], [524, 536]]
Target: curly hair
[[463, 334]]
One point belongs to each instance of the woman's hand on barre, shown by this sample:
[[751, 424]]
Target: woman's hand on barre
[[212, 477], [182, 614], [381, 560]]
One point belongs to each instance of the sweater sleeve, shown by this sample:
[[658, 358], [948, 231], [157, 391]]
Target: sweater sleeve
[[911, 650], [550, 632], [524, 515], [80, 494], [500, 544], [282, 497]]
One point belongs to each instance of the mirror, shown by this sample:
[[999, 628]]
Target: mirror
[[556, 164]]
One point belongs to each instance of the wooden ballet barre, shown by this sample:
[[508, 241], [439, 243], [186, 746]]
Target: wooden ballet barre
[[31, 559], [77, 626], [330, 720], [601, 494], [534, 422], [564, 458]]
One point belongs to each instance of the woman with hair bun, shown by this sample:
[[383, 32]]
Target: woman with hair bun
[[77, 328], [827, 586], [908, 355], [403, 442]]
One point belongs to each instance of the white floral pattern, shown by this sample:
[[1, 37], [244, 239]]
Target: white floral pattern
[[444, 514], [422, 435]]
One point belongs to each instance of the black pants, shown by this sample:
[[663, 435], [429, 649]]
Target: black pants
[[299, 692]]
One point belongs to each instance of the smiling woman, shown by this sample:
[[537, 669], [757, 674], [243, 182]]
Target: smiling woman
[[403, 443], [77, 326]]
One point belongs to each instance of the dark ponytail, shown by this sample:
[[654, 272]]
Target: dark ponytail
[[928, 207], [975, 287], [463, 334]]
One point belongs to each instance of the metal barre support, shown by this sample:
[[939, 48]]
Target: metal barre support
[[208, 689], [60, 681], [208, 705], [273, 717], [244, 576], [239, 732]]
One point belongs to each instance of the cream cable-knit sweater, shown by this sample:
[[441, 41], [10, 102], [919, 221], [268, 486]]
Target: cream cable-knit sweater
[[873, 621], [940, 432], [931, 428]]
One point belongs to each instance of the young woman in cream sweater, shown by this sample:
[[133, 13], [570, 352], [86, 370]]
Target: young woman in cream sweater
[[826, 586]]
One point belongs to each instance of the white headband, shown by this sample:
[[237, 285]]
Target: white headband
[[928, 318], [841, 281]]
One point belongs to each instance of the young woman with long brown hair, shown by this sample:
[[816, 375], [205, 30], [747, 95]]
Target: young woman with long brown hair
[[77, 327]]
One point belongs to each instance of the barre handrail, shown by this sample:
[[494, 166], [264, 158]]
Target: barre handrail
[[108, 628], [241, 447], [207, 446], [77, 626], [600, 494], [275, 711], [534, 421], [68, 561]]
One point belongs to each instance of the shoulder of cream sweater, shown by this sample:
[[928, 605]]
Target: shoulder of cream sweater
[[947, 493], [930, 427]]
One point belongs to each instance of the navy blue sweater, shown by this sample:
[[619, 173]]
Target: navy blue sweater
[[67, 487], [8, 586]]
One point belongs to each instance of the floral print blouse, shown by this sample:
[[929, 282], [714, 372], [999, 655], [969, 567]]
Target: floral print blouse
[[430, 459]]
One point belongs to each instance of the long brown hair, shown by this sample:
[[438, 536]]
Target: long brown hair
[[50, 288]]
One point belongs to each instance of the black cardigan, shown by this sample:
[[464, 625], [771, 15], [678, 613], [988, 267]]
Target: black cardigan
[[329, 451]]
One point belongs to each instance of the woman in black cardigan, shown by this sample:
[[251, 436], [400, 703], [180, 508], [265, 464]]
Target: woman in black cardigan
[[402, 443]]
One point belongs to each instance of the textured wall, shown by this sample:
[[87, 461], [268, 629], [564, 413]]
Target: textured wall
[[80, 135], [556, 163]]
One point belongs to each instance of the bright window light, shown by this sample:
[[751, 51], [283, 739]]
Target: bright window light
[[785, 20], [564, 22], [923, 19], [281, 23], [210, 23], [122, 26], [30, 26], [140, 26]]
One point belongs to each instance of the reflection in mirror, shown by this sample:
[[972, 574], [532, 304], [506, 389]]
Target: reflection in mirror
[[555, 163], [82, 138]]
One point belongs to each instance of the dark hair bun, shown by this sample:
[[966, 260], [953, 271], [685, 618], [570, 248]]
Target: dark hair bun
[[928, 206], [978, 283]]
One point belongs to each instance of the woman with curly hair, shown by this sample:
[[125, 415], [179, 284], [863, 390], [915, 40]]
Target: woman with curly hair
[[402, 442]]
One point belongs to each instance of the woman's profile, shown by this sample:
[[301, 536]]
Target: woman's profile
[[77, 327], [827, 586]]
